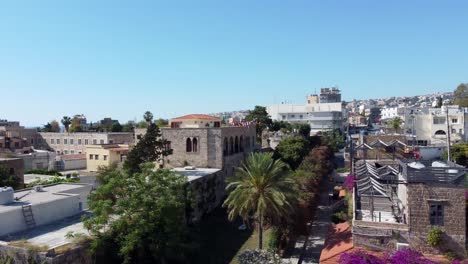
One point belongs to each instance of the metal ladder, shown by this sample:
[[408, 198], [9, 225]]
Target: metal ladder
[[28, 216]]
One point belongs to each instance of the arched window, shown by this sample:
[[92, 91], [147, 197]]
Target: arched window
[[231, 147], [247, 143], [440, 133], [241, 144], [226, 147], [236, 145], [195, 145], [188, 145]]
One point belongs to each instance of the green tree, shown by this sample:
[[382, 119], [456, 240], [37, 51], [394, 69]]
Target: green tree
[[128, 127], [142, 124], [116, 127], [148, 117], [439, 102], [261, 118], [142, 215], [75, 125], [302, 128], [292, 150], [262, 188], [162, 122], [66, 121], [395, 123], [458, 153], [54, 126], [460, 95], [333, 139], [150, 148], [7, 179]]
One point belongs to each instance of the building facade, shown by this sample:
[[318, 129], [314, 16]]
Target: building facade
[[15, 167], [320, 117], [76, 143], [105, 155]]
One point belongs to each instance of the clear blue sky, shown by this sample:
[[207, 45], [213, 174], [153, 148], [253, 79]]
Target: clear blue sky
[[105, 58]]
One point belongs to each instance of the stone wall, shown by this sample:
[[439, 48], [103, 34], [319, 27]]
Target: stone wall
[[208, 193], [14, 165], [420, 197], [17, 255]]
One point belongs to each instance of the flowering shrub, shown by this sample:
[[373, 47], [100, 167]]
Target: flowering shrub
[[349, 182], [460, 261], [359, 257], [407, 255], [402, 256], [434, 237], [259, 257]]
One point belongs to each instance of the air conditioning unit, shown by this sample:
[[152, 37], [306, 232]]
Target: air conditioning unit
[[401, 246]]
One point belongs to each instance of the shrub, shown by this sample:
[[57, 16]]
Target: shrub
[[450, 255], [259, 257], [342, 170], [434, 237], [339, 217], [273, 240], [407, 255], [359, 257], [349, 182]]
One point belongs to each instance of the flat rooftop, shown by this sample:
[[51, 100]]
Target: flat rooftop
[[48, 194], [31, 178], [196, 173], [52, 235]]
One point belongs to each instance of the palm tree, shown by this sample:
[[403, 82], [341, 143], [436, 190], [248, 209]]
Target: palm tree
[[395, 123], [261, 187], [66, 121]]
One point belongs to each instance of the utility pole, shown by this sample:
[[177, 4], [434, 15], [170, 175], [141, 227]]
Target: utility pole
[[448, 133]]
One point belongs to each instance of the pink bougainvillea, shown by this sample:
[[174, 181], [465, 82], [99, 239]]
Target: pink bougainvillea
[[349, 182], [403, 256]]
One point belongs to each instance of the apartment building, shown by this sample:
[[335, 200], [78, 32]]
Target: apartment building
[[15, 138], [76, 143], [429, 125], [320, 117], [105, 155]]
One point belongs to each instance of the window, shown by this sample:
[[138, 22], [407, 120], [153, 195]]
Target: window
[[195, 145], [96, 157], [65, 152], [454, 120], [436, 214], [101, 141], [72, 152], [460, 131], [86, 142], [52, 141], [226, 148], [111, 141], [454, 131], [71, 141], [79, 141], [438, 120], [293, 116], [284, 117], [236, 145], [300, 116], [32, 140], [104, 157], [65, 141], [94, 141], [91, 156], [58, 140], [188, 145]]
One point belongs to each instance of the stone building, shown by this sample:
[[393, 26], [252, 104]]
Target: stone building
[[76, 143], [206, 154], [15, 166], [15, 138], [397, 203]]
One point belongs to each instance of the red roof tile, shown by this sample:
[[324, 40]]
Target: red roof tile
[[197, 117]]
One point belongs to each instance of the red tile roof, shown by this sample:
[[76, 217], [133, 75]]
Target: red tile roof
[[197, 117]]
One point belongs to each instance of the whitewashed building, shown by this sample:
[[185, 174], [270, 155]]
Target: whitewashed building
[[320, 116]]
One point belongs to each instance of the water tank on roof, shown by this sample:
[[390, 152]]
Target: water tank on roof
[[6, 195]]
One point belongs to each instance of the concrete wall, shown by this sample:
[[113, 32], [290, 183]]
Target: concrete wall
[[38, 160]]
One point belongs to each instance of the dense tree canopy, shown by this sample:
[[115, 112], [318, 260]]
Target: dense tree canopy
[[52, 126], [458, 153], [333, 139], [395, 123], [260, 115], [7, 179], [142, 215], [75, 125], [460, 95], [292, 150], [152, 147]]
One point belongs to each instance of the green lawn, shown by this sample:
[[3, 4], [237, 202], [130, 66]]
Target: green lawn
[[219, 241], [252, 243]]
